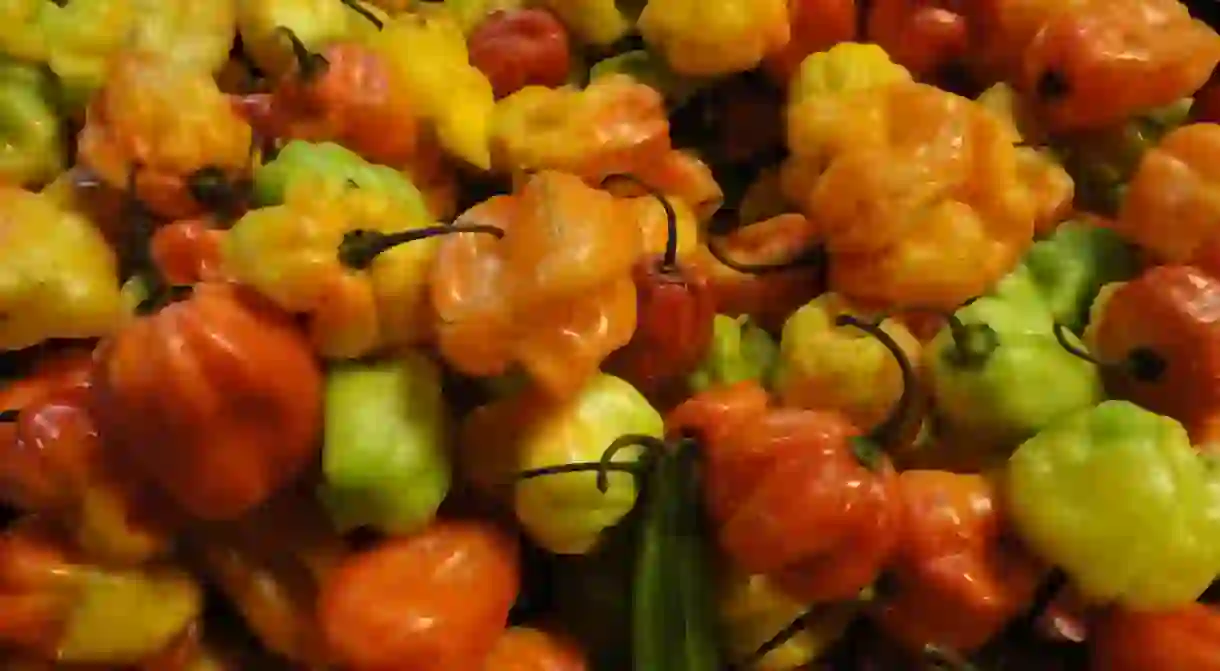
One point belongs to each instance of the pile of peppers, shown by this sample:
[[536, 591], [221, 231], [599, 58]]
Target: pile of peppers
[[597, 335]]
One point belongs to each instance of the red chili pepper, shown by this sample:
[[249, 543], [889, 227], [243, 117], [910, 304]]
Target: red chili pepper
[[516, 48], [1186, 639]]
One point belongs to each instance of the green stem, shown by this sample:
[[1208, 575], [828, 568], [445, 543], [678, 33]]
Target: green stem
[[360, 247], [870, 449], [654, 448], [310, 65], [973, 344], [669, 260], [359, 8], [1142, 363]]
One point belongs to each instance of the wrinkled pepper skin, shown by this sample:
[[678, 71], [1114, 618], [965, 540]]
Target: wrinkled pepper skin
[[519, 48], [393, 478], [814, 26], [174, 391], [733, 38], [33, 150], [316, 23], [1161, 332], [1182, 639], [740, 351], [58, 275], [198, 35], [1091, 484], [955, 581]]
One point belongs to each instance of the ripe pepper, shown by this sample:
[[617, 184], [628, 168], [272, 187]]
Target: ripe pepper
[[927, 36], [188, 251], [1182, 639], [998, 374], [740, 351], [336, 254], [519, 48], [300, 161], [734, 38], [1099, 62], [648, 68], [1169, 207], [823, 366], [63, 608], [195, 35], [429, 62], [1093, 482], [58, 274], [597, 23], [526, 649], [225, 350], [955, 581], [841, 70], [564, 512], [1155, 336], [172, 128], [34, 150], [829, 542], [433, 601], [395, 478], [814, 26], [555, 295], [470, 13], [315, 23]]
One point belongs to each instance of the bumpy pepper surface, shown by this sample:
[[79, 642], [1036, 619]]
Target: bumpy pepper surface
[[336, 165], [33, 150], [733, 38]]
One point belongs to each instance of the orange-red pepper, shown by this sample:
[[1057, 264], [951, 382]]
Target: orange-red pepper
[[521, 47], [525, 649], [925, 36], [814, 25], [1185, 639], [188, 251], [217, 399]]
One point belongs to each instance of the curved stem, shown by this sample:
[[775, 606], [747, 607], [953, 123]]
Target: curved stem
[[973, 344], [1142, 363], [360, 247], [812, 257], [8, 416], [359, 8], [887, 431], [653, 448], [1061, 332], [310, 64], [801, 623], [669, 260]]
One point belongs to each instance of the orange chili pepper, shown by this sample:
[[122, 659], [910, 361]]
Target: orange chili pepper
[[217, 399], [925, 36], [814, 25], [1185, 639], [525, 649], [953, 582], [188, 251], [681, 174]]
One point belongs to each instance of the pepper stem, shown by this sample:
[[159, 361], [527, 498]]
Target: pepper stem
[[888, 430], [1142, 363], [311, 65], [814, 256], [9, 416], [653, 448], [359, 8], [669, 261], [212, 188], [973, 344], [360, 247]]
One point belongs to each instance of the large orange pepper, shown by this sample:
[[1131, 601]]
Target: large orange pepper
[[171, 127], [1158, 339], [555, 295], [954, 581], [217, 399], [1185, 639]]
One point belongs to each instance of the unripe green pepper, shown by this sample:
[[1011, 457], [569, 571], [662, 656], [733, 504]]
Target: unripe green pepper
[[335, 163], [384, 455], [34, 150], [1118, 498], [740, 351]]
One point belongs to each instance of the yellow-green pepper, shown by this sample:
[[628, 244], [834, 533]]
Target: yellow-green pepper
[[34, 150], [594, 22], [316, 23], [1118, 498], [193, 33], [740, 351]]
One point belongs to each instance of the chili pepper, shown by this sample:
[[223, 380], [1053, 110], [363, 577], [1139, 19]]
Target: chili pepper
[[674, 315], [927, 36], [428, 60], [735, 38], [525, 649], [344, 94], [532, 435], [752, 610], [613, 126], [34, 150], [1101, 61], [823, 366], [1168, 206], [555, 295], [998, 375], [470, 13], [1155, 335], [225, 350], [814, 26], [335, 164], [1091, 482], [338, 255], [263, 27], [1182, 639], [841, 70], [59, 275], [393, 479], [173, 128], [955, 580], [759, 458], [652, 70], [408, 602], [196, 35], [688, 180], [519, 48], [740, 351], [188, 251], [64, 609], [592, 22]]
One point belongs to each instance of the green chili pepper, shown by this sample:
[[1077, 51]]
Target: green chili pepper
[[34, 150], [740, 351], [1118, 498], [384, 451], [332, 162]]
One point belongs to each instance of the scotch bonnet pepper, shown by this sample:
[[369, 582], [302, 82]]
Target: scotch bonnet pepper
[[734, 38], [740, 351], [33, 148], [315, 23]]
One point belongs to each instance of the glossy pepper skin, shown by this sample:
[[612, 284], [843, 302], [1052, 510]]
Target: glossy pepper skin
[[519, 48], [224, 349], [407, 602], [1182, 639], [172, 127], [734, 38], [555, 295], [197, 35], [564, 513], [57, 273], [758, 459], [739, 351], [395, 478], [188, 251], [527, 649], [955, 579], [63, 608], [307, 256], [33, 150], [1159, 334], [926, 36], [1082, 490], [334, 164]]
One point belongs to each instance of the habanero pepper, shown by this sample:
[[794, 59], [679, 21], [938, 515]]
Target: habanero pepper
[[315, 23], [1182, 639], [527, 649], [470, 13], [814, 26], [929, 37], [740, 351], [521, 47], [197, 35], [596, 23], [33, 147], [734, 38], [188, 251]]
